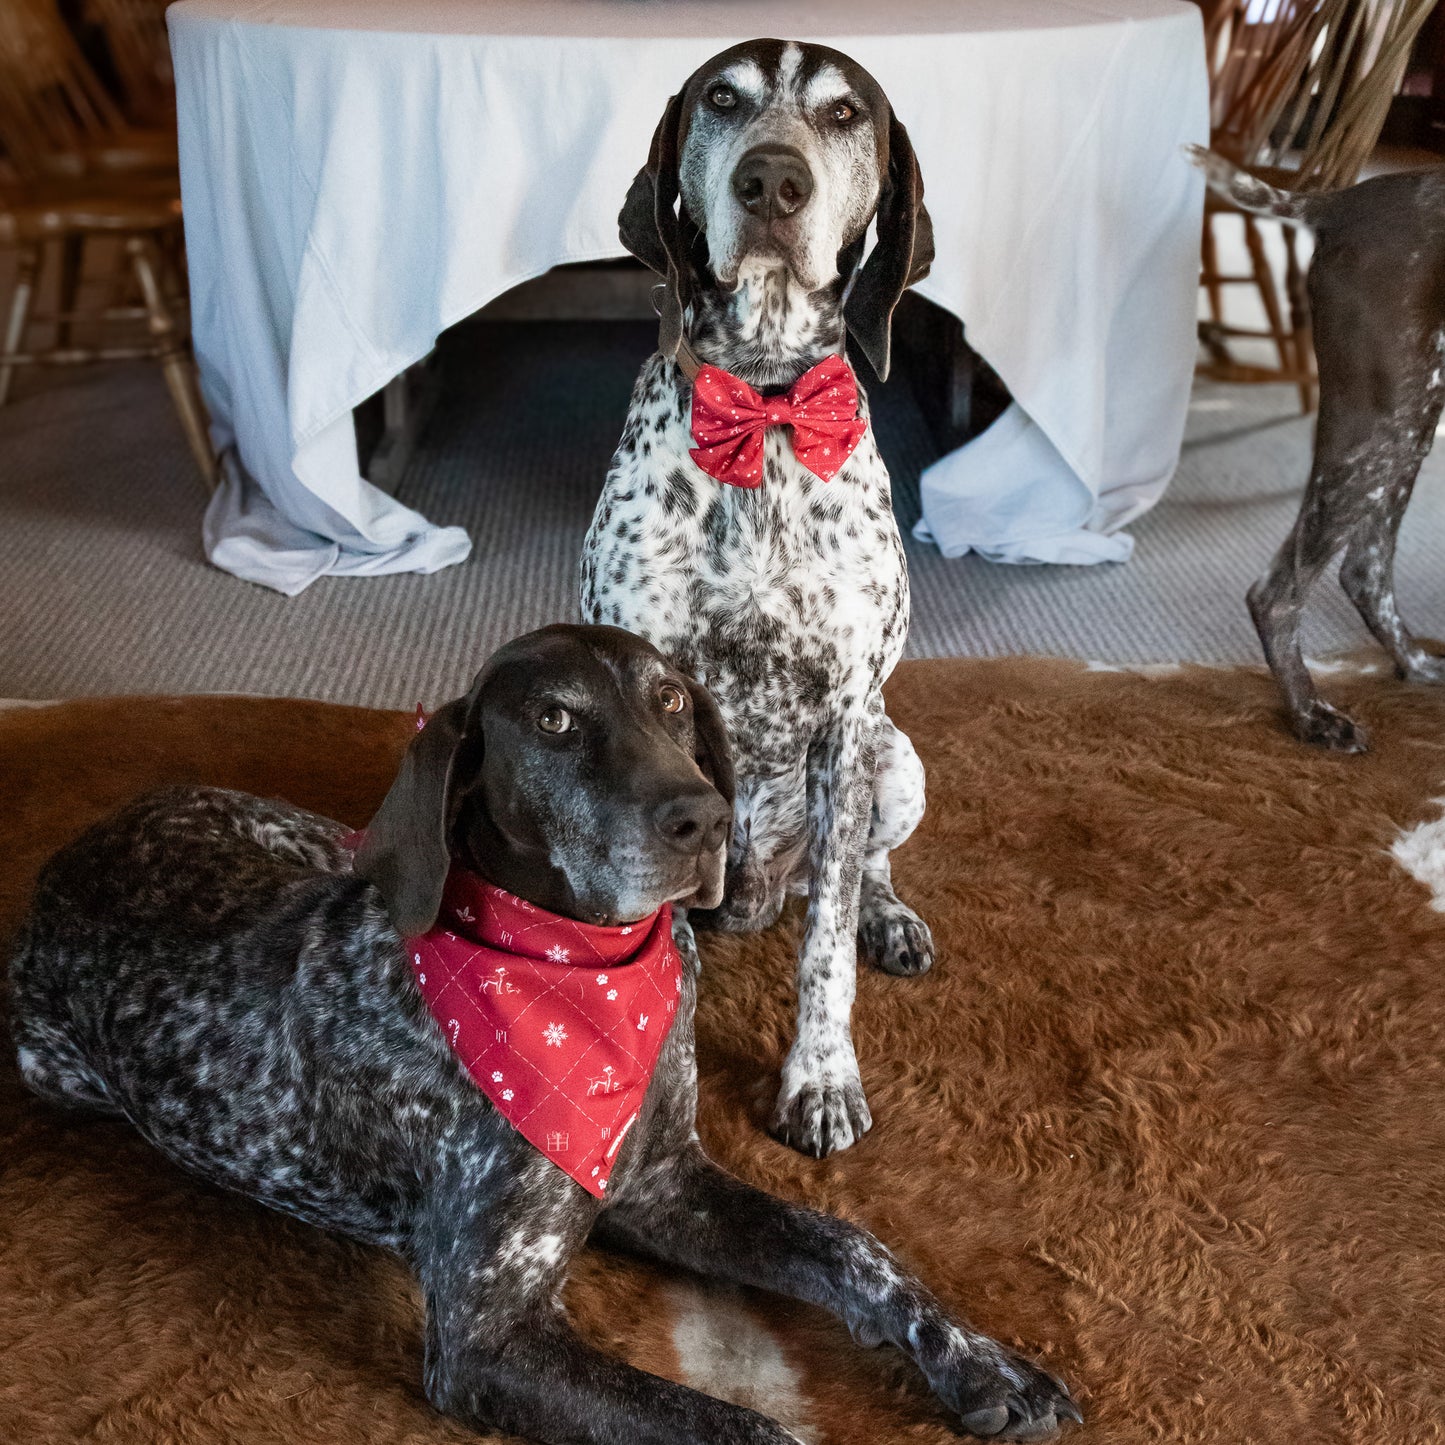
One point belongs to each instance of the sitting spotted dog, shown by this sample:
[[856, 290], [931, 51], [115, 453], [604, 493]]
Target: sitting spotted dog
[[746, 525], [229, 974]]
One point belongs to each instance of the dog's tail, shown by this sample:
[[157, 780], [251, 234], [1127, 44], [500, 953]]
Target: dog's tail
[[1250, 193]]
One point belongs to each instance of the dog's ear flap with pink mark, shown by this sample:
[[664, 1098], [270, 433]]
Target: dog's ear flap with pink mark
[[406, 851], [712, 748], [903, 255], [654, 228]]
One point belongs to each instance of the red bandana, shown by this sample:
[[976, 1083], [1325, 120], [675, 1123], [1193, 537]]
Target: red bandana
[[729, 419], [560, 1023]]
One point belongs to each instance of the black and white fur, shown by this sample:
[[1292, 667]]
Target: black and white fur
[[213, 968], [1377, 303], [789, 601]]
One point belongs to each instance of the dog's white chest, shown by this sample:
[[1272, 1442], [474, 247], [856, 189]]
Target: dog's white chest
[[782, 596]]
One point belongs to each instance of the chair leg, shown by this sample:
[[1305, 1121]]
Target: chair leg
[[1264, 280], [27, 271], [72, 263], [1209, 257], [174, 356]]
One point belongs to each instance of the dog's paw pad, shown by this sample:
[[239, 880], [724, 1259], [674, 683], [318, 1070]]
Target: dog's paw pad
[[1002, 1396], [1327, 727], [894, 938], [986, 1422], [822, 1118]]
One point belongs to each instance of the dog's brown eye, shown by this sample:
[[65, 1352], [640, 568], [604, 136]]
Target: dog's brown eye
[[843, 112], [724, 97], [673, 699], [555, 720]]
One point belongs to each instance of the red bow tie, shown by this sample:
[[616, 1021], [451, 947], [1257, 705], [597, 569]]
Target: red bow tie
[[729, 419]]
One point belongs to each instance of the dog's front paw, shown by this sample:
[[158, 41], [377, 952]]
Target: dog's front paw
[[999, 1395], [894, 938], [822, 1115], [1328, 727]]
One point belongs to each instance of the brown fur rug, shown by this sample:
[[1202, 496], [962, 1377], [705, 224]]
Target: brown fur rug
[[1169, 1112]]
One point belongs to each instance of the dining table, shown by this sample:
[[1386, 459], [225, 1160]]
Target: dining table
[[359, 175]]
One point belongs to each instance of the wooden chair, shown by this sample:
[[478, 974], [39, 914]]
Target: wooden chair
[[59, 116], [81, 173], [1299, 94], [135, 34]]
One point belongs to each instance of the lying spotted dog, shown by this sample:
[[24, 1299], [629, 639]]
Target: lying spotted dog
[[746, 525], [518, 1077]]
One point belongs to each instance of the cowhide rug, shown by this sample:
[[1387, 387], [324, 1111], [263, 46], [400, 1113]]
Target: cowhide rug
[[1169, 1112]]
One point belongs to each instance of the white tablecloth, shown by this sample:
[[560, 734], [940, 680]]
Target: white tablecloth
[[360, 174]]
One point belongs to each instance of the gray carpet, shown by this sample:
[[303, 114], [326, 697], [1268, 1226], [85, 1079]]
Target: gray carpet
[[103, 588]]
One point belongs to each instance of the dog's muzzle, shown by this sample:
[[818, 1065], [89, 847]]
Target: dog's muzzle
[[693, 830]]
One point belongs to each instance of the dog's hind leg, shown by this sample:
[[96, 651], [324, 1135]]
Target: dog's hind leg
[[51, 1063], [1332, 510], [892, 936], [1381, 354], [1368, 577], [1368, 573], [1380, 372], [821, 1107], [53, 1068]]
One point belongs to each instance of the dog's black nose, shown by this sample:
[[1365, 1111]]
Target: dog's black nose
[[772, 181], [693, 822]]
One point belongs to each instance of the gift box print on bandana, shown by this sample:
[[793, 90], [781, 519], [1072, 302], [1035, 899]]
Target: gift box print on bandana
[[560, 1023]]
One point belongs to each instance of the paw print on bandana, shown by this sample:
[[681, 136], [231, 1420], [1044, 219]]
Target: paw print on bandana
[[507, 1095], [554, 1035], [601, 978], [496, 1076], [611, 993]]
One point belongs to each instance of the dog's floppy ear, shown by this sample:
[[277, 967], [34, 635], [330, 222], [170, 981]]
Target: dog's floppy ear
[[902, 256], [712, 749], [407, 848], [652, 227]]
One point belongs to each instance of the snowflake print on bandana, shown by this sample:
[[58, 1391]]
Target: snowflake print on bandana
[[729, 419], [574, 1047]]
